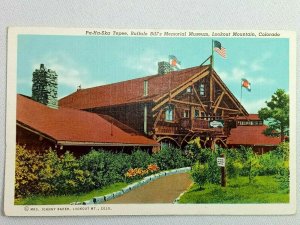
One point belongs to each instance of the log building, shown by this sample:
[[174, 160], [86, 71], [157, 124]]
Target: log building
[[171, 107]]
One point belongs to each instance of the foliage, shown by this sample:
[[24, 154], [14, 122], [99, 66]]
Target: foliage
[[195, 153], [276, 114], [170, 158], [199, 173], [28, 163], [51, 174], [283, 178], [104, 167], [282, 151], [234, 163], [140, 159], [250, 163]]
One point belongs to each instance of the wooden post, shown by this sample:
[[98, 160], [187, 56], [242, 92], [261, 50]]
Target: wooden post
[[223, 173]]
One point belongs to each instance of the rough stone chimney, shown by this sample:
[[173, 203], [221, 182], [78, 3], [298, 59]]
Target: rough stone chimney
[[164, 67], [44, 87]]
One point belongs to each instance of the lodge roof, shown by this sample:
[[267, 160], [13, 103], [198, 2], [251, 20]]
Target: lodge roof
[[129, 91], [249, 117], [132, 91], [251, 135], [75, 127]]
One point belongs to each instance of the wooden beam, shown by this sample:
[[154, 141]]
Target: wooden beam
[[228, 109], [181, 88], [157, 118], [187, 81], [218, 102], [230, 97], [198, 98], [187, 103]]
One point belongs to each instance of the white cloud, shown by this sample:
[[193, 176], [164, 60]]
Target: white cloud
[[254, 105], [258, 64], [146, 62], [70, 74]]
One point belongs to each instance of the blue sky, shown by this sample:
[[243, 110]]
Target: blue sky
[[96, 60]]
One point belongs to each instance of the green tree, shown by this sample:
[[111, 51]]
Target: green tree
[[276, 114]]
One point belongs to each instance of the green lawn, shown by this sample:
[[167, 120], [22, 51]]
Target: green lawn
[[265, 189], [67, 199]]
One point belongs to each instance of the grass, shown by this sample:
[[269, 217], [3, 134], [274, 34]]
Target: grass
[[67, 199], [264, 189]]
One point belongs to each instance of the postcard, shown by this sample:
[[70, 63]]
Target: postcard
[[150, 122]]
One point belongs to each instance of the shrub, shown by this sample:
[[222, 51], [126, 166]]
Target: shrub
[[28, 165], [270, 164], [234, 163], [282, 151], [170, 158], [62, 174], [283, 178], [214, 172], [199, 173], [104, 167], [251, 163], [140, 159]]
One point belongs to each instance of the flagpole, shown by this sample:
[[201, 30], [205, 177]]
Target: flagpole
[[212, 53], [241, 92]]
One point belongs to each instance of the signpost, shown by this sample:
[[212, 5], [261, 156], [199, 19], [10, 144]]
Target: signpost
[[221, 163]]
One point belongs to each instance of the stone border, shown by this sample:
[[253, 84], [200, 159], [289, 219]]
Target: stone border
[[145, 180]]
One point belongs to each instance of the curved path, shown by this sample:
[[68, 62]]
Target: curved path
[[163, 190]]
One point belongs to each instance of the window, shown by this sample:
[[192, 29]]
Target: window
[[202, 89], [203, 115], [169, 114], [189, 90], [186, 113], [197, 113]]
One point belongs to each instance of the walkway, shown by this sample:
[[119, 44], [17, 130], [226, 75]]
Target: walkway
[[163, 190]]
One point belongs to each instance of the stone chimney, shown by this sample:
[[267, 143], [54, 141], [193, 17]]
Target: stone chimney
[[164, 67], [44, 87]]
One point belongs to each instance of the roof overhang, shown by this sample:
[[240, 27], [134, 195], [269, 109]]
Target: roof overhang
[[80, 143]]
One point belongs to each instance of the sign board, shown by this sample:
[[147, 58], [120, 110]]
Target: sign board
[[221, 161], [216, 124]]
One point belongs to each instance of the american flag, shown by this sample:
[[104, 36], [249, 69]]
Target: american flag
[[218, 48]]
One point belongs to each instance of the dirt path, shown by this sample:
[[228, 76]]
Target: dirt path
[[163, 190]]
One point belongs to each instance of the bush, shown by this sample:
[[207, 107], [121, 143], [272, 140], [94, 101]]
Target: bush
[[283, 178], [28, 165], [170, 158], [270, 164], [282, 151], [104, 167], [62, 175], [140, 159], [199, 173]]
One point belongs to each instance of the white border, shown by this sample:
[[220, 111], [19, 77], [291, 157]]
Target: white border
[[138, 209]]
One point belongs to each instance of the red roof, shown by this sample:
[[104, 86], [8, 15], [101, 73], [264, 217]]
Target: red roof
[[69, 126], [128, 91], [249, 117], [251, 135]]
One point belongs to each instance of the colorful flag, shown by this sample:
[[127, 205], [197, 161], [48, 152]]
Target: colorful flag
[[246, 84], [174, 62], [219, 49]]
